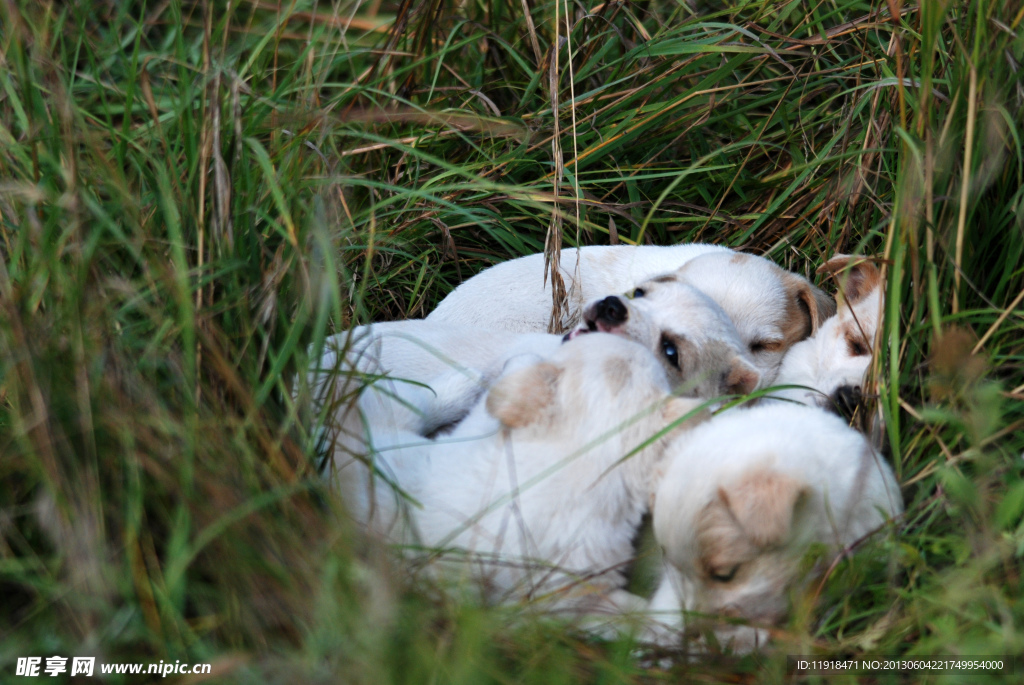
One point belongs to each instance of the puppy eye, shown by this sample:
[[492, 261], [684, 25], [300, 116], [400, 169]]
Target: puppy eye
[[857, 347], [639, 292], [725, 577], [670, 351], [765, 346]]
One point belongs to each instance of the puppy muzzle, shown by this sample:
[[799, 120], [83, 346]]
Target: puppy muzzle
[[606, 315], [846, 401]]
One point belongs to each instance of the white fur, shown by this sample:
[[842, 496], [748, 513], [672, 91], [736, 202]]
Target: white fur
[[424, 375], [766, 304], [514, 296], [687, 331], [833, 489], [420, 376], [532, 488]]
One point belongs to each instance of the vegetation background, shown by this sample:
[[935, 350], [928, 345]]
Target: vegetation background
[[194, 194]]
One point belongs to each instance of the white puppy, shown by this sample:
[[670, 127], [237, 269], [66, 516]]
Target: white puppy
[[771, 308], [425, 375], [743, 497], [834, 362], [538, 492]]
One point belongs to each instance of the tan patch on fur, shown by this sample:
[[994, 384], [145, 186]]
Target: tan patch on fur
[[745, 517], [857, 344], [742, 378], [806, 308], [835, 264], [690, 362], [739, 258], [678, 407], [762, 503], [521, 397], [667, 278], [716, 365], [721, 543], [617, 373], [857, 277], [798, 324]]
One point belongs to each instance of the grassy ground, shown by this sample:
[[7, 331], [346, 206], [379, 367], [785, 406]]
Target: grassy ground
[[193, 194]]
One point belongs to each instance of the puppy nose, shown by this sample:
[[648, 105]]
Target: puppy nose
[[846, 400], [612, 310]]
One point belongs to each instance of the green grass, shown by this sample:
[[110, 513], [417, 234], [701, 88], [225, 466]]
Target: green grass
[[192, 195]]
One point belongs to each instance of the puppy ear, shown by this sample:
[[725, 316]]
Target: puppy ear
[[813, 304], [743, 377], [521, 397], [861, 276], [763, 503], [835, 264]]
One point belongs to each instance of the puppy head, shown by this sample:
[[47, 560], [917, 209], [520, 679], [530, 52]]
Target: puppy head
[[746, 556], [744, 497], [693, 339], [771, 308], [835, 361]]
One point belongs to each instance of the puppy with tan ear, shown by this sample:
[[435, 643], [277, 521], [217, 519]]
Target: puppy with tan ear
[[834, 362], [743, 497], [771, 308], [539, 491]]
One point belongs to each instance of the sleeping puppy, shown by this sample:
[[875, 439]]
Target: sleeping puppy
[[771, 308], [743, 497], [425, 375], [538, 492], [834, 362]]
